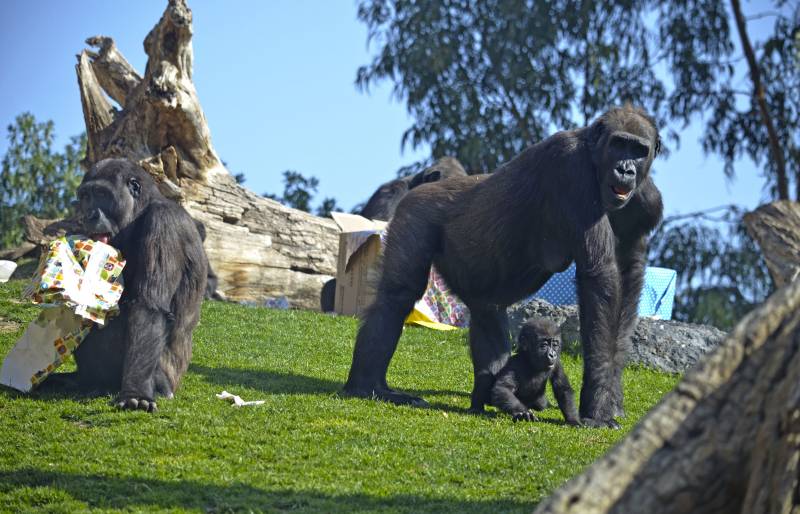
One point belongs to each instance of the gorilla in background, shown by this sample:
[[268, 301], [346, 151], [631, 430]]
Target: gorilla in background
[[212, 280], [145, 350], [520, 384], [583, 195], [383, 202]]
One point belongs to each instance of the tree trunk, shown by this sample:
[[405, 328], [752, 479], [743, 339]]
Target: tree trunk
[[258, 247], [776, 229], [725, 440]]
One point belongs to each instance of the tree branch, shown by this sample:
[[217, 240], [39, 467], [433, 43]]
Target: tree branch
[[112, 70], [760, 96]]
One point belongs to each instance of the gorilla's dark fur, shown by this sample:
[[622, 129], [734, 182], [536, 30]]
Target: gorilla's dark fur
[[145, 350], [583, 195], [383, 202], [520, 384]]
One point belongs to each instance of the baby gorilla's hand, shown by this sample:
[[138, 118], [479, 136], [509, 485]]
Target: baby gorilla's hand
[[524, 416]]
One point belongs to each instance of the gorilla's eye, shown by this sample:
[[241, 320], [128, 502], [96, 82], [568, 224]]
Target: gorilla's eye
[[639, 150], [135, 187]]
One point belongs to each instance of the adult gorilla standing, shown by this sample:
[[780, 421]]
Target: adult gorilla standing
[[583, 195]]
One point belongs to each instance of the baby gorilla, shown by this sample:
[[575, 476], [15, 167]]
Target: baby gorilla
[[521, 383]]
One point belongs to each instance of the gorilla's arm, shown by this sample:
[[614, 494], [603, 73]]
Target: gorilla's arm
[[564, 394], [632, 225], [157, 256], [504, 398]]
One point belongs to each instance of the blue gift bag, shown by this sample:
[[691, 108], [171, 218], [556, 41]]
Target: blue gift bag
[[658, 293]]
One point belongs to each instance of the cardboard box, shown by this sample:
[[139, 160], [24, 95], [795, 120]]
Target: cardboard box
[[357, 266], [358, 272]]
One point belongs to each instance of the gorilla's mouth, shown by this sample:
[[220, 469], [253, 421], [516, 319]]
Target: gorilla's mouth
[[103, 237], [621, 192]]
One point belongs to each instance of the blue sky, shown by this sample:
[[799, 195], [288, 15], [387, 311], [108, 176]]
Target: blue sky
[[276, 81]]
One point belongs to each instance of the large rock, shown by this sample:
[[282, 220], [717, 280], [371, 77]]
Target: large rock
[[669, 346]]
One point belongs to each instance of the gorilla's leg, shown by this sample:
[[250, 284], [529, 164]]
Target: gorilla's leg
[[490, 347], [540, 403], [327, 297], [407, 263], [99, 357]]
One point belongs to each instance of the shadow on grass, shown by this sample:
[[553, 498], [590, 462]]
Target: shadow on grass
[[105, 492], [279, 382]]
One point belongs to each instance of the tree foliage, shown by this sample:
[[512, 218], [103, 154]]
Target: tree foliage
[[485, 78], [35, 179], [722, 273], [298, 191]]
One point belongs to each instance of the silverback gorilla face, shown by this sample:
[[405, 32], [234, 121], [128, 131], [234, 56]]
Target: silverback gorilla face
[[109, 198], [625, 150]]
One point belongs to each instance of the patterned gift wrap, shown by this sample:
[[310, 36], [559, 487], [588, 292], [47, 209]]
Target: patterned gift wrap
[[64, 346], [82, 274], [79, 282]]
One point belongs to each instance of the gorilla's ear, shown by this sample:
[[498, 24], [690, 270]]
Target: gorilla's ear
[[523, 342], [135, 187], [658, 146], [433, 176]]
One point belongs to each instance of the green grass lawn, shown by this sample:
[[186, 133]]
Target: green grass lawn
[[306, 449]]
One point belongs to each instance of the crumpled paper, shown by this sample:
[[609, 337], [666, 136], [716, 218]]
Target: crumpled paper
[[236, 401], [79, 283]]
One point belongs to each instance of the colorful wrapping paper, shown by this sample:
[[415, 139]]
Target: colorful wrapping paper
[[79, 282]]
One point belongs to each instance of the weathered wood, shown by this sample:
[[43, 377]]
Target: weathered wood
[[12, 254], [258, 247], [776, 228], [726, 439]]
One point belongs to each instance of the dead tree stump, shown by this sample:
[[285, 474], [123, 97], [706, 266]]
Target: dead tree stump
[[258, 247]]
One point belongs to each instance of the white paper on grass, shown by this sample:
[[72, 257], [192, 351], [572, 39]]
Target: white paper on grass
[[237, 401]]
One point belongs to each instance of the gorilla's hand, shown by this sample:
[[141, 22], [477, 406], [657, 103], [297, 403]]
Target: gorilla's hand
[[128, 402], [524, 416]]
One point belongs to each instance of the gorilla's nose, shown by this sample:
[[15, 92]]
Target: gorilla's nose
[[626, 170], [94, 215]]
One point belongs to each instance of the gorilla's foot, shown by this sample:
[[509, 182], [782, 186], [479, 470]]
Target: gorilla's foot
[[600, 423], [386, 395], [133, 403]]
